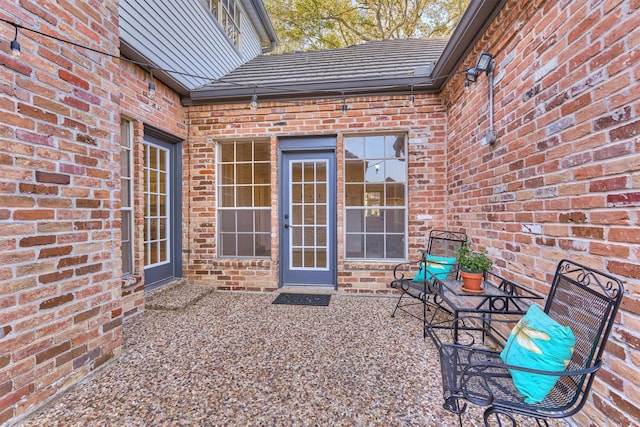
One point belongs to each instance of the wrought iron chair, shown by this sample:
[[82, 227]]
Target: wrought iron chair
[[583, 299], [442, 244]]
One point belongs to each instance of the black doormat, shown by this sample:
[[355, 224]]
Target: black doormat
[[319, 300]]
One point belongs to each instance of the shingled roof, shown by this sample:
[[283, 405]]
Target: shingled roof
[[382, 66], [391, 67]]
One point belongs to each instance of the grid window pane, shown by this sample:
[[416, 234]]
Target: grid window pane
[[156, 194], [354, 245], [244, 199], [395, 246], [375, 196], [374, 246]]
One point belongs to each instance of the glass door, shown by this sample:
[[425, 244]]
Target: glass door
[[308, 219]]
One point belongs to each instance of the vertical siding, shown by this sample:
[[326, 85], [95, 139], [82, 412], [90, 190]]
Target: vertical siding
[[184, 36]]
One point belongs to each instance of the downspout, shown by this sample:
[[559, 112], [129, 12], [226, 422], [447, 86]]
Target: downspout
[[270, 47], [491, 136]]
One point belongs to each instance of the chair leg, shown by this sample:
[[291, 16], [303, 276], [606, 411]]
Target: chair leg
[[496, 414], [397, 305], [424, 319]]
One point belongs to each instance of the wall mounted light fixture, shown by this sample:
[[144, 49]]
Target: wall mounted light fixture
[[485, 65]]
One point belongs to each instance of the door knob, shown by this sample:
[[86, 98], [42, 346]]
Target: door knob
[[286, 226]]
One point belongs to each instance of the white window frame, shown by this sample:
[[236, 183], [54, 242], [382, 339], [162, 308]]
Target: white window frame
[[374, 210], [126, 184], [230, 20], [150, 216], [253, 208]]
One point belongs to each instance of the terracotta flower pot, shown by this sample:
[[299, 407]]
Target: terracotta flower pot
[[471, 282]]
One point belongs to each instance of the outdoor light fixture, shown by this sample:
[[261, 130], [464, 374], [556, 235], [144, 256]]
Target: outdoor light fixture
[[485, 65], [485, 62], [152, 85], [254, 103], [471, 74], [15, 46]]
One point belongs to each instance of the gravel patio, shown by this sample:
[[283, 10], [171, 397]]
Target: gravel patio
[[209, 358]]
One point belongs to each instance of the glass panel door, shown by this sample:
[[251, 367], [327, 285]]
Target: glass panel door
[[162, 214], [156, 215], [308, 219]]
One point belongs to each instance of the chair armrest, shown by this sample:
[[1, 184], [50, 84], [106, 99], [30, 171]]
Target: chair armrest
[[477, 369], [402, 268], [482, 367]]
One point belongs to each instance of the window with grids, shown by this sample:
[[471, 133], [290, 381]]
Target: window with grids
[[228, 14], [375, 173], [244, 199], [126, 195]]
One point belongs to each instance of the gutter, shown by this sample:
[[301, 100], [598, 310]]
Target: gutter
[[258, 6], [473, 23]]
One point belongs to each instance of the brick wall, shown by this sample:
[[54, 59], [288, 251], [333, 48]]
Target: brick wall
[[563, 180], [60, 311], [164, 112], [424, 123]]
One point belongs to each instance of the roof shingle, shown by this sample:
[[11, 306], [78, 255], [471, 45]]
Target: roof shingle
[[372, 66]]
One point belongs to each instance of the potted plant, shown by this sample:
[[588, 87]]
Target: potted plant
[[473, 264]]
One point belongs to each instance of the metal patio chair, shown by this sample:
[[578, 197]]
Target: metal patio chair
[[441, 244], [583, 299]]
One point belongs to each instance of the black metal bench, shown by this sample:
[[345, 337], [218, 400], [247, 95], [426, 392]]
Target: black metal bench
[[441, 244], [581, 298]]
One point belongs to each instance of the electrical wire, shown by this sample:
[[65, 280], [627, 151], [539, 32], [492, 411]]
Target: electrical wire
[[338, 94]]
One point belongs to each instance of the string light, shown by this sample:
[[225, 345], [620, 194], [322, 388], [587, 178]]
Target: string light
[[253, 105], [152, 86], [15, 46]]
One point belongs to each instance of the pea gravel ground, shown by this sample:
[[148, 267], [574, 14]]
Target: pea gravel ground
[[200, 358]]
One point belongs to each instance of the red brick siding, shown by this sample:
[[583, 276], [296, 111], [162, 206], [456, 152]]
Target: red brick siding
[[60, 309], [562, 181], [424, 123], [165, 112]]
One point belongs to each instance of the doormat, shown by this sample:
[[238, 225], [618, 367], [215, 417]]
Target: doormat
[[318, 300]]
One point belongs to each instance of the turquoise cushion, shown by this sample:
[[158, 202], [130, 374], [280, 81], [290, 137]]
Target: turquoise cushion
[[537, 342], [439, 266]]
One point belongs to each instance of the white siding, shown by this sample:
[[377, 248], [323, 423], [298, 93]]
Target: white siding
[[184, 36], [250, 40]]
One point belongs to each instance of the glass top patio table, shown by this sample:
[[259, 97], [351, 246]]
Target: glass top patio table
[[498, 296]]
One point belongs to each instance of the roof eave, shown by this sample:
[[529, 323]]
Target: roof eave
[[158, 69], [262, 22], [319, 89], [472, 25]]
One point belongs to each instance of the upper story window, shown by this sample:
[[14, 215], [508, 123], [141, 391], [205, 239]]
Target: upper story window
[[228, 14]]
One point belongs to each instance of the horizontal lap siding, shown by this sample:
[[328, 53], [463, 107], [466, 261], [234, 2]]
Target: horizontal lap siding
[[563, 179], [180, 35]]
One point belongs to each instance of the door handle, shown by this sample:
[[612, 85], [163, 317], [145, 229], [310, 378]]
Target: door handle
[[286, 226]]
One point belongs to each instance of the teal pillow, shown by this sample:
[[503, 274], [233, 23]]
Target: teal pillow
[[537, 342], [439, 266]]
